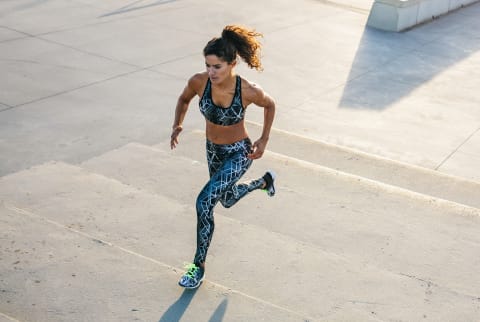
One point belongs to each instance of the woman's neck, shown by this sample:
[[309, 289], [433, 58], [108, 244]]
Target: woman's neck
[[227, 83]]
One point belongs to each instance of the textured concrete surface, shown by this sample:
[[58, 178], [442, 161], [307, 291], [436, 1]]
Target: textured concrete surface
[[376, 144]]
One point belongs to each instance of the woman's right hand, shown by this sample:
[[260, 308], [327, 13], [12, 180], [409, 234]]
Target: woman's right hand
[[174, 137]]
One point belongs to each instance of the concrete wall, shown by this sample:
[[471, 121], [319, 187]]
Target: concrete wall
[[398, 15]]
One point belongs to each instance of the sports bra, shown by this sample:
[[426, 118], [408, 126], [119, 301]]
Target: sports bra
[[222, 115]]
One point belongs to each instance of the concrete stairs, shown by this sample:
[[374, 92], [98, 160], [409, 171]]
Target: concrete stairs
[[349, 237]]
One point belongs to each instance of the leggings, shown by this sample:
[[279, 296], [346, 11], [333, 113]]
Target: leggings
[[227, 163]]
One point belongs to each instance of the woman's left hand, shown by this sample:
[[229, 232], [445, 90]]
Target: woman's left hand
[[258, 149]]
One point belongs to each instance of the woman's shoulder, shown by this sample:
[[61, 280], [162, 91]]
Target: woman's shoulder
[[251, 92], [250, 89], [198, 80]]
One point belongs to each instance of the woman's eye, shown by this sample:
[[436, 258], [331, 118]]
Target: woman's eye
[[214, 66]]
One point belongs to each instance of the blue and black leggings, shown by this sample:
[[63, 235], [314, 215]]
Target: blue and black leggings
[[227, 163]]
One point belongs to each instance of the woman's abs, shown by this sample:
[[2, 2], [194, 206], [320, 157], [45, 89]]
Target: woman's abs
[[219, 134]]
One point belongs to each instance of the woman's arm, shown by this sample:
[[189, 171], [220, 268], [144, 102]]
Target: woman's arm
[[262, 99], [190, 90]]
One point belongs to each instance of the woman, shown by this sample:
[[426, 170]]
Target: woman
[[224, 97]]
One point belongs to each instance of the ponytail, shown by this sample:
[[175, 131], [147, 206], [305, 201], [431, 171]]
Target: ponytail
[[236, 40]]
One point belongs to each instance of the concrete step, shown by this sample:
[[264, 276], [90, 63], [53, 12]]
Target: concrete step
[[292, 279], [375, 224], [58, 271], [403, 175], [124, 247]]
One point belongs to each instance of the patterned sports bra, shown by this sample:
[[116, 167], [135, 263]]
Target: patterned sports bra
[[220, 115]]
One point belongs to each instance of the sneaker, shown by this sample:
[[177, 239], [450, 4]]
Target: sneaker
[[269, 178], [193, 277]]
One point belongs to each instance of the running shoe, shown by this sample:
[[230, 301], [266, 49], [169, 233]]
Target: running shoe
[[269, 178], [193, 277]]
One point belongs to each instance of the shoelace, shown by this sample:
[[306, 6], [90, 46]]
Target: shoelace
[[191, 270]]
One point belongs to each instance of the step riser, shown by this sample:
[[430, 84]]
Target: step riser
[[410, 177], [192, 147]]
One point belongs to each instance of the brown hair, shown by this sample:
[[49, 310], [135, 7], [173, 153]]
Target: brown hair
[[236, 40]]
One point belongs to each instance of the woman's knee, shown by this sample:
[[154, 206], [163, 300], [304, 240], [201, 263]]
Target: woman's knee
[[205, 203]]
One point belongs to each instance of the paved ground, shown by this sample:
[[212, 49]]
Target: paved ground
[[82, 79]]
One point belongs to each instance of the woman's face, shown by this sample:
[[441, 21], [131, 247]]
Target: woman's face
[[218, 69]]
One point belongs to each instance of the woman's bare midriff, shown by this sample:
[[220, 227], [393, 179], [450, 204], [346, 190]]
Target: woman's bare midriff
[[220, 134]]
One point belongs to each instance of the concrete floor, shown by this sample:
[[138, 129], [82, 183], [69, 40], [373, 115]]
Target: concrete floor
[[376, 141]]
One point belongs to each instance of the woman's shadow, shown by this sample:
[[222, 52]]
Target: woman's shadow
[[177, 309]]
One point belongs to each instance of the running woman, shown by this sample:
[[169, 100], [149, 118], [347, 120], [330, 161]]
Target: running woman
[[224, 97]]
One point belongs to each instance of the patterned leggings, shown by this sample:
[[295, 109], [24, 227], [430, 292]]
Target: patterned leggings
[[227, 163]]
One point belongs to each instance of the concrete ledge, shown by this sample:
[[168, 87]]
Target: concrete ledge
[[399, 15]]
